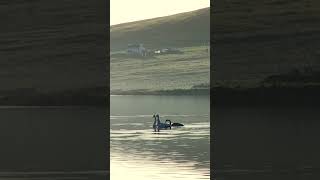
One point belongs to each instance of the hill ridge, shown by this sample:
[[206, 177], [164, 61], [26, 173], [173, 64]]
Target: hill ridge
[[173, 30]]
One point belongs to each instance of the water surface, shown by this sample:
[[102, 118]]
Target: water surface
[[53, 143], [266, 143], [139, 153]]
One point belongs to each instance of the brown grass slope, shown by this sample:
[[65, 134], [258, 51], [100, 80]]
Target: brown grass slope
[[255, 39], [52, 46], [180, 30]]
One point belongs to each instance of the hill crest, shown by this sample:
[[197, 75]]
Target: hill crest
[[175, 30]]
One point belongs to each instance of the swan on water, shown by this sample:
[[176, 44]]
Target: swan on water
[[157, 124]]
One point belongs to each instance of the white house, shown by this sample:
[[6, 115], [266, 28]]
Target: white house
[[136, 49]]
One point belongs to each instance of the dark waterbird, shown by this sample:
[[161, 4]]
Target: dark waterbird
[[168, 121], [157, 125]]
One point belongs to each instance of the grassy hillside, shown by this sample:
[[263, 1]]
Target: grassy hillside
[[171, 71], [257, 39], [52, 46], [181, 30], [186, 31]]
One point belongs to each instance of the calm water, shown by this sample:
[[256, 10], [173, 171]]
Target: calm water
[[139, 153], [53, 143], [266, 143]]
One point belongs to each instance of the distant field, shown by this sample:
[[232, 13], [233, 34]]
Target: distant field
[[257, 39], [180, 30], [46, 45], [162, 72], [189, 32]]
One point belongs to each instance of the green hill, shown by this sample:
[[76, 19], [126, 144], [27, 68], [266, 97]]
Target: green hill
[[48, 47], [257, 39], [180, 30], [189, 32]]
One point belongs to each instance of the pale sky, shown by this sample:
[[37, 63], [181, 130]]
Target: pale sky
[[122, 11]]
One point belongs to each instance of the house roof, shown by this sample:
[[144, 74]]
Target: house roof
[[134, 45]]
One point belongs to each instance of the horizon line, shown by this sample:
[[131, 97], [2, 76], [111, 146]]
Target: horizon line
[[157, 17]]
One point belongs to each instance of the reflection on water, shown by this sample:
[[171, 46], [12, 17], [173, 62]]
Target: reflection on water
[[53, 143], [139, 153], [266, 143]]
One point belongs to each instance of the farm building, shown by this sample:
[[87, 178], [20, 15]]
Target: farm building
[[136, 49], [168, 51]]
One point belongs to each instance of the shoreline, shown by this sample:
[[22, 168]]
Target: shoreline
[[175, 92], [267, 96], [258, 96]]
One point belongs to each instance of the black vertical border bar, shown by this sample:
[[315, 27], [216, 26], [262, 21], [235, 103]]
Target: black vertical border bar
[[107, 31], [211, 93], [102, 36]]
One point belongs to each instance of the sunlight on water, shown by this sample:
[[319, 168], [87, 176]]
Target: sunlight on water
[[146, 168], [139, 153]]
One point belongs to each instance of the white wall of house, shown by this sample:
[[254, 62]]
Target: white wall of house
[[137, 49]]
